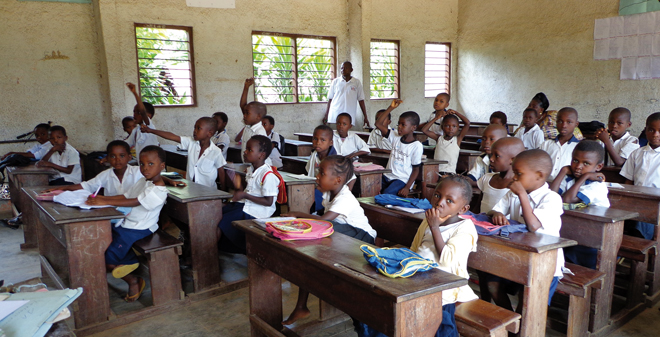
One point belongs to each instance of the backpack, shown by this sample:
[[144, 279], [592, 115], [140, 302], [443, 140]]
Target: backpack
[[281, 194]]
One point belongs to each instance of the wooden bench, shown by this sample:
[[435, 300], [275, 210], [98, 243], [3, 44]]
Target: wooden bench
[[637, 251], [480, 318], [161, 254], [578, 288]]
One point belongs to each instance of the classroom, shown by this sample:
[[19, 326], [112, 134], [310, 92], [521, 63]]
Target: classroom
[[209, 269]]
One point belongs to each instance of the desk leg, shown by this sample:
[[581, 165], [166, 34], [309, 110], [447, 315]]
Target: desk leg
[[535, 302], [419, 317], [300, 197], [265, 297], [23, 204], [370, 184], [203, 219], [602, 298]]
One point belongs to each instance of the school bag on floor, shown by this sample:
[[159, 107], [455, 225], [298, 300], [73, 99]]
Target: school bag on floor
[[281, 194]]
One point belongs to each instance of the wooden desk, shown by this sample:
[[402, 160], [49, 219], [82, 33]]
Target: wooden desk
[[477, 128], [612, 174], [525, 258], [200, 208], [234, 154], [466, 158], [27, 176], [175, 158], [600, 228], [303, 136], [334, 270], [297, 148], [72, 244]]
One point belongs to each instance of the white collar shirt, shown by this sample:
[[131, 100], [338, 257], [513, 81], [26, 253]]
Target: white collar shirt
[[561, 155], [345, 96], [110, 182], [69, 156], [151, 198], [203, 169], [260, 187], [643, 167]]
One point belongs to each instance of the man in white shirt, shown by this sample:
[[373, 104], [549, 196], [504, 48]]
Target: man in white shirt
[[344, 95]]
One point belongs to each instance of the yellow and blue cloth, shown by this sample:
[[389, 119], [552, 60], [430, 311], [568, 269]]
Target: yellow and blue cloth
[[396, 262]]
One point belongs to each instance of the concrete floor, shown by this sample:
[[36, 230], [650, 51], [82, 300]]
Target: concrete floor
[[225, 315]]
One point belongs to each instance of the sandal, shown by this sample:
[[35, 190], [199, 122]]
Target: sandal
[[122, 270], [135, 297]]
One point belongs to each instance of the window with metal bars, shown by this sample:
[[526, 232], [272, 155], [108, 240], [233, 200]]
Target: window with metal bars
[[290, 68], [437, 68], [165, 63], [384, 69]]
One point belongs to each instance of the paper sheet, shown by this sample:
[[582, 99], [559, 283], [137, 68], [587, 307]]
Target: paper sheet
[[643, 69], [75, 199], [602, 49], [409, 209], [616, 26], [630, 25], [628, 68], [7, 307], [630, 46], [602, 29], [616, 48], [302, 176], [614, 185], [647, 23], [645, 46], [211, 3], [655, 67]]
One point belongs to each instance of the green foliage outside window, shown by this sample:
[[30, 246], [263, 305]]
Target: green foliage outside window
[[384, 70]]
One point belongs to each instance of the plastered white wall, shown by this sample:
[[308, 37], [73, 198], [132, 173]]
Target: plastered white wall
[[511, 49]]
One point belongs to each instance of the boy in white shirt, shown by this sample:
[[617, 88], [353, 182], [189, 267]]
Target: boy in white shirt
[[494, 185], [406, 156], [561, 148], [481, 166], [221, 138], [376, 137], [253, 113], [41, 148], [348, 144], [581, 182], [448, 145], [268, 123], [63, 158], [531, 134], [440, 105], [618, 142], [205, 160], [146, 198], [143, 113], [642, 168], [530, 201], [257, 201]]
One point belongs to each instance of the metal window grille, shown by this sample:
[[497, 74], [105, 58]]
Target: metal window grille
[[384, 69], [437, 68]]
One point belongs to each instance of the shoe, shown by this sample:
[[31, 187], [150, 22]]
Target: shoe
[[124, 269], [141, 285], [5, 223], [15, 220]]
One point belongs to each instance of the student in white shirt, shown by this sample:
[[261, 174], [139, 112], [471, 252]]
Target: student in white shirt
[[440, 105], [205, 160], [253, 114], [143, 114], [618, 142], [257, 201], [531, 134], [322, 141], [43, 145], [345, 94], [341, 208], [221, 138], [481, 166], [268, 123], [406, 156], [561, 148], [532, 202], [448, 145], [348, 144], [63, 158], [376, 137], [146, 199], [494, 185], [642, 168]]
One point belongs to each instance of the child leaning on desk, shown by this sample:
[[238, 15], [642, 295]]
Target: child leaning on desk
[[348, 144], [62, 157], [145, 199], [43, 145]]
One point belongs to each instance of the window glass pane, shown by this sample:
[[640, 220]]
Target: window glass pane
[[274, 75], [315, 69], [384, 69], [437, 68]]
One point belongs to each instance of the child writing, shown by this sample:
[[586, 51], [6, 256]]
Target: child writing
[[349, 145], [499, 118], [581, 181], [276, 139], [146, 198], [618, 142], [43, 145], [205, 160], [495, 185], [440, 104], [643, 167], [376, 137], [341, 208], [481, 165], [63, 158], [253, 113], [221, 138], [448, 145], [561, 148], [531, 134], [322, 142], [406, 156], [529, 201], [256, 201], [143, 113]]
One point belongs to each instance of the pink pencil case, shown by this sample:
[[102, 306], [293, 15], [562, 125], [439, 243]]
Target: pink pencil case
[[48, 196]]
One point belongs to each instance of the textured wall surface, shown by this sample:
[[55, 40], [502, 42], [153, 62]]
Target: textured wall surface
[[511, 49]]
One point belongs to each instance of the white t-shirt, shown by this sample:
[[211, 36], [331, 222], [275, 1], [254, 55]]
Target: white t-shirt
[[40, 150], [624, 146], [69, 156], [489, 194], [269, 188], [140, 140], [480, 167], [436, 127], [221, 138], [249, 131], [351, 144], [532, 139], [151, 198], [403, 157], [447, 150], [349, 210], [203, 170], [643, 167], [561, 155], [275, 155], [111, 184], [376, 139], [591, 192], [345, 96], [547, 207]]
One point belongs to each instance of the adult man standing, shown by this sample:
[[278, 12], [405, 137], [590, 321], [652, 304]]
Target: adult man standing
[[344, 95]]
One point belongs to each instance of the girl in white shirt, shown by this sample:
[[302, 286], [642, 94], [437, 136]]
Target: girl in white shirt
[[448, 145]]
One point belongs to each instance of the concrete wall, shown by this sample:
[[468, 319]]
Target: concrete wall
[[511, 49]]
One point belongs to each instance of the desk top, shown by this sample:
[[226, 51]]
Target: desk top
[[61, 214], [616, 169], [425, 161], [195, 192], [289, 178], [172, 149], [30, 169], [601, 214], [636, 191], [297, 142], [341, 255]]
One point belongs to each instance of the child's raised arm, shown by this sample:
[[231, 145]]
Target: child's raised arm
[[380, 123], [466, 126], [427, 128], [246, 88], [163, 134], [140, 105]]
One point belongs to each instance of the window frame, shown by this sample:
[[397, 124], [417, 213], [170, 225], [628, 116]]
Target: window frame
[[448, 44], [193, 84], [295, 62], [398, 69]]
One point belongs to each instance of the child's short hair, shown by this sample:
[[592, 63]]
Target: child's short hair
[[265, 144], [410, 116], [568, 110], [466, 188], [259, 107], [325, 128], [379, 112], [57, 128], [42, 126], [591, 146], [444, 94], [499, 115], [622, 111], [270, 119], [448, 118], [654, 117], [150, 108], [222, 116], [154, 149], [127, 119], [536, 159], [530, 110], [542, 99], [346, 114], [210, 122], [341, 166], [119, 143]]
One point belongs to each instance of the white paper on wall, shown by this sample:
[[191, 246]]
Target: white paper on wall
[[212, 3], [630, 45], [602, 29], [647, 23], [645, 47], [628, 68], [630, 25], [616, 48], [643, 68], [616, 26], [655, 67], [602, 49]]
